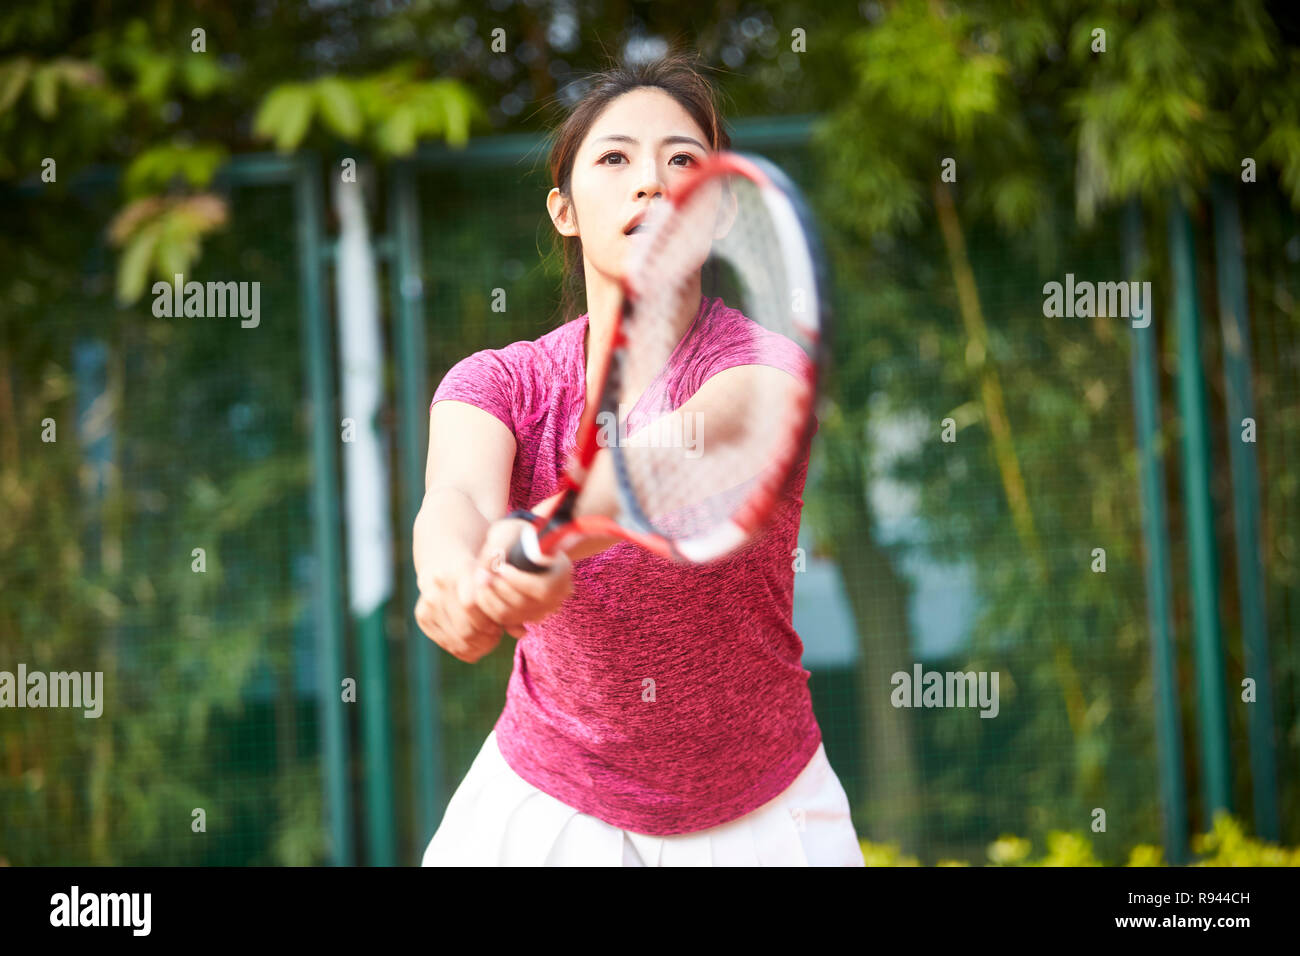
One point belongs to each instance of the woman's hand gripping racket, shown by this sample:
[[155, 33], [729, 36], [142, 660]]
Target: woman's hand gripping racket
[[699, 465]]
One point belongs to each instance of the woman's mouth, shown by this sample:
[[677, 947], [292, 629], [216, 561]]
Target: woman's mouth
[[636, 224]]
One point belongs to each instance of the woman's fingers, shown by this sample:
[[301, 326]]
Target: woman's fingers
[[498, 600], [470, 612], [498, 593], [549, 587], [464, 632], [427, 616], [512, 596]]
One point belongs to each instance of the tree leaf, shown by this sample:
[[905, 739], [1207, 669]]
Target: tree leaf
[[458, 109], [178, 244], [45, 91], [202, 74], [133, 266], [397, 134], [339, 107], [157, 167], [285, 115], [200, 163], [153, 75], [13, 77]]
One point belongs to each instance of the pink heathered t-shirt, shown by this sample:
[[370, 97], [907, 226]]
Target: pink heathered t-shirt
[[661, 697]]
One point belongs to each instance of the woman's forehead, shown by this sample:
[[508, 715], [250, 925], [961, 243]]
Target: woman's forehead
[[643, 115]]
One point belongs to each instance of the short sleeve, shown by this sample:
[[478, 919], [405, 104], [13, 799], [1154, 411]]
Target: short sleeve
[[735, 340], [483, 380]]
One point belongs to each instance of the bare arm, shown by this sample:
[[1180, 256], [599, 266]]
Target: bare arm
[[719, 415], [718, 441], [466, 487]]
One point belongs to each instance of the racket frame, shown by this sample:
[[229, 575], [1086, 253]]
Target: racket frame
[[558, 529]]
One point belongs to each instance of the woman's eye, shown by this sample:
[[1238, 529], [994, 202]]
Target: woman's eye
[[608, 156], [687, 157]]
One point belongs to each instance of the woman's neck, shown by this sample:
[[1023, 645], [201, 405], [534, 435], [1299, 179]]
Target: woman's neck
[[604, 300]]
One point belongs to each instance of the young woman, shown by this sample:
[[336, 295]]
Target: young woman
[[658, 713]]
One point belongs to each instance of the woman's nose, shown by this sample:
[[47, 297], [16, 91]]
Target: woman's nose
[[650, 185]]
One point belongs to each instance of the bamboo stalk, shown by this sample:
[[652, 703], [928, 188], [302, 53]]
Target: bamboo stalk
[[1004, 451]]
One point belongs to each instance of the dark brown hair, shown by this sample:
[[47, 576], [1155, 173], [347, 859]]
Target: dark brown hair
[[679, 77]]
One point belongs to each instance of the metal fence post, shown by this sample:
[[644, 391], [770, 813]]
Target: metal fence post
[[1155, 532], [309, 200], [1235, 320], [412, 394], [1216, 774]]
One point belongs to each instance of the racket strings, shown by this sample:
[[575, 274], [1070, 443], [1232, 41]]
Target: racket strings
[[690, 469]]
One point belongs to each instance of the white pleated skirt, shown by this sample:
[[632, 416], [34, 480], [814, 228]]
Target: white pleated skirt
[[496, 818]]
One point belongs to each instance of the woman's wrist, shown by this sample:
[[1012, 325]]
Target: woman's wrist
[[446, 565], [444, 543]]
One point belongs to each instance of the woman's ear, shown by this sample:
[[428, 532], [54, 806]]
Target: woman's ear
[[561, 212]]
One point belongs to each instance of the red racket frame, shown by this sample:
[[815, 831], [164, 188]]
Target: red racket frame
[[558, 530]]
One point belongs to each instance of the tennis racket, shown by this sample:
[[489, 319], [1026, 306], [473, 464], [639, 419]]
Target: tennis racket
[[699, 465]]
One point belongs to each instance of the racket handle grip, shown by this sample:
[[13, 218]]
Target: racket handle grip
[[525, 548], [519, 558]]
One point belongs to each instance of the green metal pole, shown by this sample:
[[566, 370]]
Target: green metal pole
[[309, 198], [412, 392], [376, 733], [1216, 773], [1155, 532], [1235, 320]]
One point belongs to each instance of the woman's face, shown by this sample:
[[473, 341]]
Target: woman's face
[[637, 149]]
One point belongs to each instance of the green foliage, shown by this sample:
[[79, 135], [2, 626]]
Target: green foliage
[[930, 84], [1225, 845], [97, 564], [119, 87], [926, 67], [403, 110], [1009, 851], [885, 854], [1146, 854], [285, 114], [157, 168], [1158, 108], [1068, 849], [1180, 91], [339, 107], [42, 92], [42, 81], [155, 70], [161, 237], [1278, 121], [390, 111], [1047, 138]]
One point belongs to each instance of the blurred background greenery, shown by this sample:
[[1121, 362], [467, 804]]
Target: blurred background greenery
[[176, 151]]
